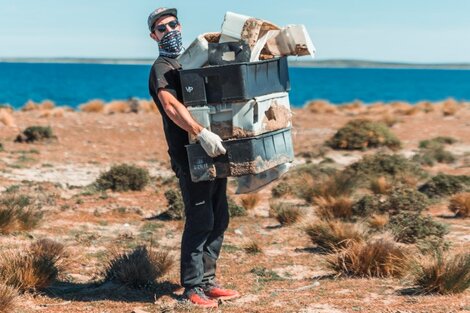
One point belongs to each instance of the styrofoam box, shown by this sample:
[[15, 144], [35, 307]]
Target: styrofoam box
[[245, 119]]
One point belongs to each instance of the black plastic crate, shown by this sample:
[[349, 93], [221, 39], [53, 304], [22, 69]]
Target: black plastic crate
[[244, 156], [234, 82]]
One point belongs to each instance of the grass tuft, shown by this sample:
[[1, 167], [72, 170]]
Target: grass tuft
[[378, 258], [443, 274], [333, 235], [333, 207], [253, 247], [460, 204], [285, 213], [7, 298], [250, 201], [139, 267]]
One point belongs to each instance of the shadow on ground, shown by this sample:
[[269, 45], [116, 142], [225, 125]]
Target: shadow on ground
[[89, 292]]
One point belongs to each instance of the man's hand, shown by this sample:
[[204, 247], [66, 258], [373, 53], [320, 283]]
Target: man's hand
[[211, 143]]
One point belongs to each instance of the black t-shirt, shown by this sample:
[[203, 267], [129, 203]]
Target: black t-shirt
[[164, 74]]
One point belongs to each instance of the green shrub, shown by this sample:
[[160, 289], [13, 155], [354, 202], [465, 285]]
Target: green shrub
[[175, 209], [437, 141], [400, 199], [234, 209], [362, 134], [281, 189], [123, 177], [393, 167], [409, 227], [35, 133], [444, 185]]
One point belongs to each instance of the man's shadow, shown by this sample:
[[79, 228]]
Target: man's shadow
[[95, 291]]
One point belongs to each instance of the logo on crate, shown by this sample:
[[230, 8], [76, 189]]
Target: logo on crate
[[189, 89]]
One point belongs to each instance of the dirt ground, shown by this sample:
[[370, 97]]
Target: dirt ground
[[90, 225]]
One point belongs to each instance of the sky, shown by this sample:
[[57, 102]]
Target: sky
[[419, 31]]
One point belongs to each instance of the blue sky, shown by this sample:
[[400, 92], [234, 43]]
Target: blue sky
[[399, 30]]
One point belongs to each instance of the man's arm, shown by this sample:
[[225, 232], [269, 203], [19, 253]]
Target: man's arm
[[178, 113]]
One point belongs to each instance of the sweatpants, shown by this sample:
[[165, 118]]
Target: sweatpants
[[207, 218]]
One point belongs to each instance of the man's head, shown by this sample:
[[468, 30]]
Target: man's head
[[161, 21]]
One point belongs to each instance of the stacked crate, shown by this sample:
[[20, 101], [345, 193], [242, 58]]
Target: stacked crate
[[247, 105]]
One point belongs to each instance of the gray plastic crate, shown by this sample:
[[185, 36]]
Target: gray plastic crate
[[244, 156]]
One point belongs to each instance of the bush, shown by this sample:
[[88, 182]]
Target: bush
[[410, 227], [394, 168], [285, 213], [35, 133], [437, 141], [400, 199], [460, 204], [234, 209], [334, 235], [7, 298], [379, 258], [1, 147], [175, 209], [444, 185], [123, 177], [33, 269], [281, 189], [361, 134], [443, 274], [331, 207], [18, 213], [250, 201], [139, 267]]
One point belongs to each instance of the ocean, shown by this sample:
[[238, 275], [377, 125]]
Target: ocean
[[74, 84]]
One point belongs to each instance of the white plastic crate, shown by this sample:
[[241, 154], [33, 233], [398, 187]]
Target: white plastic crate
[[245, 119]]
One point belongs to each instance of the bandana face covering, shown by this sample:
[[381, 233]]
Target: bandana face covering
[[171, 44]]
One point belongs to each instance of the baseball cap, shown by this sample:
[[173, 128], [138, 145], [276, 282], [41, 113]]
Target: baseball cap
[[155, 15]]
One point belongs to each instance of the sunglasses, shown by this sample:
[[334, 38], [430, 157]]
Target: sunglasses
[[162, 27]]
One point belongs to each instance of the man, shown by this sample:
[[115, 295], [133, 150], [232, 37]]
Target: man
[[205, 203]]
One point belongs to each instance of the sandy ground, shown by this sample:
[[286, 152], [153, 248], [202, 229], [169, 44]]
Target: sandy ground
[[57, 172]]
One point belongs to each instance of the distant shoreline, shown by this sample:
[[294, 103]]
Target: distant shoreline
[[294, 63]]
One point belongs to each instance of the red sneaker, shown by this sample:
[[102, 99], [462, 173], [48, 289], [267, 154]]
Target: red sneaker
[[197, 297], [217, 292]]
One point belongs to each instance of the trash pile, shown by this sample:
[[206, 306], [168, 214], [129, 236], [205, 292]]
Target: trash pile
[[235, 83]]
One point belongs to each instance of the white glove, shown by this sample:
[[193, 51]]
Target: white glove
[[211, 143]]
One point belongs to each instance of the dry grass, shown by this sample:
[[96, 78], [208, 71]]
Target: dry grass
[[460, 204], [147, 106], [6, 118], [378, 221], [390, 119], [139, 267], [333, 207], [33, 269], [17, 213], [93, 106], [286, 213], [250, 201], [46, 105], [380, 186], [425, 106], [117, 106], [400, 107], [378, 258], [7, 298], [253, 247], [30, 106], [321, 107], [56, 112], [450, 107], [332, 235], [442, 274]]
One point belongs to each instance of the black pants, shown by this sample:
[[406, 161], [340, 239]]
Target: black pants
[[207, 219]]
